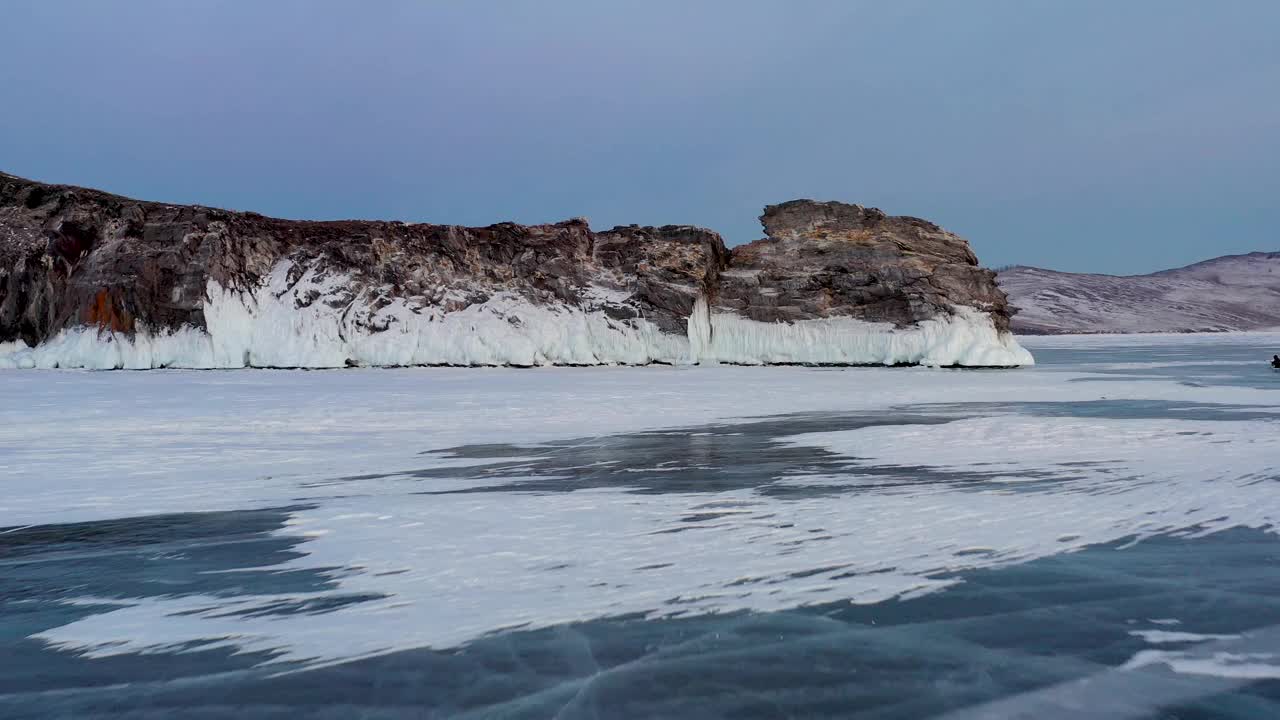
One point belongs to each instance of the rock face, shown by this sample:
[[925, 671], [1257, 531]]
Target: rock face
[[830, 259], [90, 279], [1235, 292], [71, 256]]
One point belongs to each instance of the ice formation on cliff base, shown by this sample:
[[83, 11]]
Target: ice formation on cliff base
[[281, 324]]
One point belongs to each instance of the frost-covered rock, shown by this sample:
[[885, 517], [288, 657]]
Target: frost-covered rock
[[89, 279]]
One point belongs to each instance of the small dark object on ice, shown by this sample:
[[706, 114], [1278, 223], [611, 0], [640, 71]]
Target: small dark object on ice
[[1275, 361]]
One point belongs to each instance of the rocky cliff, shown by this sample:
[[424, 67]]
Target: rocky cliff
[[830, 259], [1235, 292], [90, 279]]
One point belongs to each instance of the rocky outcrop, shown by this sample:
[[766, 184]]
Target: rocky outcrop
[[93, 279], [830, 259], [71, 256]]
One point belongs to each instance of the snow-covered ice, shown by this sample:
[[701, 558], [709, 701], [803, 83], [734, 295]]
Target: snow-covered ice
[[344, 450]]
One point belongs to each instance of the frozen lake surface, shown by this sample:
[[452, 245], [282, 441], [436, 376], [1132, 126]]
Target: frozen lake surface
[[1092, 537]]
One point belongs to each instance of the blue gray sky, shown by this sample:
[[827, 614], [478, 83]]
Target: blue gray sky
[[1117, 136]]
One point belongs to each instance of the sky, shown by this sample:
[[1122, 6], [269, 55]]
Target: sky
[[1117, 136]]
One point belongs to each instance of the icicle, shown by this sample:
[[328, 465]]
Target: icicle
[[699, 330]]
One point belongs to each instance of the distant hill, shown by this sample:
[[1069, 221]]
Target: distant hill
[[1235, 292]]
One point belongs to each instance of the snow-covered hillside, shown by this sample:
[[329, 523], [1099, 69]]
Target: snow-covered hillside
[[1235, 292]]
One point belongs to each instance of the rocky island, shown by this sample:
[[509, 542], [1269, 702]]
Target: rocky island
[[94, 280]]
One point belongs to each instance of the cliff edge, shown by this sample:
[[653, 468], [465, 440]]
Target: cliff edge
[[91, 279]]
